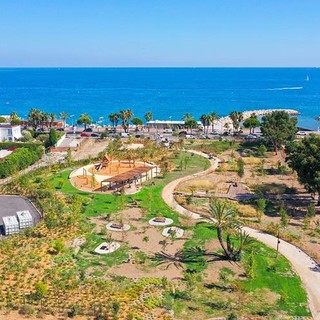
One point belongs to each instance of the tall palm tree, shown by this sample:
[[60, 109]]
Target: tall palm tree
[[64, 116], [148, 116], [205, 120], [187, 116], [52, 117], [236, 117], [34, 118], [44, 119], [125, 116], [114, 119], [213, 116]]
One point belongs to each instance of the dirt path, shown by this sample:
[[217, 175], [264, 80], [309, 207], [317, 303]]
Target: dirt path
[[303, 264]]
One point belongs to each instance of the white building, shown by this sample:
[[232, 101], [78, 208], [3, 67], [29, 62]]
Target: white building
[[10, 225], [10, 132], [25, 219], [164, 124]]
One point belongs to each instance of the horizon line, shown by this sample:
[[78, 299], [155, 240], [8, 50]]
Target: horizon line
[[159, 67]]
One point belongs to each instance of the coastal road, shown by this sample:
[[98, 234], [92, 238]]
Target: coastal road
[[304, 265]]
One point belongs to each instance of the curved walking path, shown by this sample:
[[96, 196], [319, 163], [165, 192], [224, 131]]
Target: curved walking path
[[303, 264]]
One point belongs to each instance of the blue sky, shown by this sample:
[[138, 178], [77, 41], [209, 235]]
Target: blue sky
[[159, 33]]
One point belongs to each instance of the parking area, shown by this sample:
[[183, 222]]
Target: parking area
[[10, 205]]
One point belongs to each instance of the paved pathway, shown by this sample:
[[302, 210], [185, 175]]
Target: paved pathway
[[303, 264]]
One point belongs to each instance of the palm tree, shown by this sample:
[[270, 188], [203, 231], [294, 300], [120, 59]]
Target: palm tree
[[213, 116], [14, 118], [125, 116], [64, 116], [205, 120], [187, 116], [148, 116], [44, 119], [52, 117], [34, 118], [236, 117], [224, 217], [114, 119]]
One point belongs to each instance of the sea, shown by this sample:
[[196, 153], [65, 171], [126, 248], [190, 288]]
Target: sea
[[168, 93]]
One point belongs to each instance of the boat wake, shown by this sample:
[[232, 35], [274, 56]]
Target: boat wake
[[287, 88]]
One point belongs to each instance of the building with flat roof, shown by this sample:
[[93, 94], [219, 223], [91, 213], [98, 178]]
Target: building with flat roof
[[10, 225], [10, 132], [165, 124], [25, 219]]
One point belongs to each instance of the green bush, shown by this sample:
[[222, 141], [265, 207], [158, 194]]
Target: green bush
[[21, 158]]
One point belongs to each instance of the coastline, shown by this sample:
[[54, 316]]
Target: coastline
[[219, 124]]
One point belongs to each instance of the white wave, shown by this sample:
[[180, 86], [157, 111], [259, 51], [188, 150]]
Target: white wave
[[288, 88]]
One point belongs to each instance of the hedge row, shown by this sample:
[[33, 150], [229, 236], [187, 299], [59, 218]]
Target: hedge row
[[21, 158]]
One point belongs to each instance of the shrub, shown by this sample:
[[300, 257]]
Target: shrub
[[27, 310], [21, 158]]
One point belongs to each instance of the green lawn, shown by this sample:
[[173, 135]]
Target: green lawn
[[149, 198], [277, 275], [215, 147], [269, 272]]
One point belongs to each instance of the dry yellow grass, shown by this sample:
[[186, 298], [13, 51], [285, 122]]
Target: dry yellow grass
[[251, 160], [197, 185], [245, 210]]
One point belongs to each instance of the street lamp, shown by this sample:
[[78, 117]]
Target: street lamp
[[71, 116]]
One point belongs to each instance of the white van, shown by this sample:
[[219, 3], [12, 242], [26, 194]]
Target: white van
[[125, 135]]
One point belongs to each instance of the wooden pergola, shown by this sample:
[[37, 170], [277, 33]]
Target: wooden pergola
[[128, 177]]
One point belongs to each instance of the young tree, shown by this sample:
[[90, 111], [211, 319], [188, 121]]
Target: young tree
[[240, 165], [3, 120], [148, 116], [84, 119], [137, 122], [251, 122], [125, 116], [304, 158], [41, 290], [53, 139], [279, 128], [261, 207]]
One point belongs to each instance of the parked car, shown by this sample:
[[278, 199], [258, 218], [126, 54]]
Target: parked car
[[85, 134], [251, 137], [60, 129], [301, 133], [95, 135], [88, 130]]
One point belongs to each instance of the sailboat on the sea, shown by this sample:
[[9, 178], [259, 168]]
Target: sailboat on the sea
[[307, 78]]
